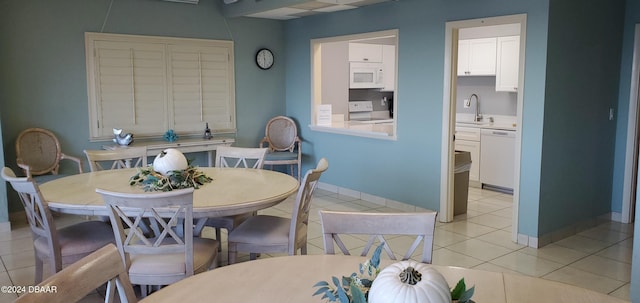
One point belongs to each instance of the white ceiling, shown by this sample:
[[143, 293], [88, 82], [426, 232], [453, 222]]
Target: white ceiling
[[312, 8]]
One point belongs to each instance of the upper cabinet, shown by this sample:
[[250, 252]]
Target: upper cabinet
[[363, 52], [372, 66], [389, 67], [477, 57], [508, 55]]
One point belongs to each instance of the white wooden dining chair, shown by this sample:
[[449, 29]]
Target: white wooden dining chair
[[285, 147], [244, 157], [124, 157], [236, 157], [52, 246], [272, 234], [377, 225], [166, 257], [75, 282]]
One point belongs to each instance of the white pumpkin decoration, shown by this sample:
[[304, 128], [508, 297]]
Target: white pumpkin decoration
[[409, 282], [169, 160]]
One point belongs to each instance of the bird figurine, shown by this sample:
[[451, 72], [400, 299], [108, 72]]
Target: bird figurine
[[121, 138]]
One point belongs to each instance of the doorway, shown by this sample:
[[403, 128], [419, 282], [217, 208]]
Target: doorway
[[452, 35]]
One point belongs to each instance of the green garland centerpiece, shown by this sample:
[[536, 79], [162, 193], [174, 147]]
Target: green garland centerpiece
[[405, 281], [170, 171]]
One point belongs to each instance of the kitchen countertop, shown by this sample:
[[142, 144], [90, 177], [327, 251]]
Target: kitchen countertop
[[500, 126], [371, 128]]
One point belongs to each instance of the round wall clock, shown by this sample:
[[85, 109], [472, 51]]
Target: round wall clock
[[264, 58]]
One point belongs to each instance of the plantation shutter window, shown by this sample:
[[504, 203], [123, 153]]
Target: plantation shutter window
[[148, 85], [200, 87]]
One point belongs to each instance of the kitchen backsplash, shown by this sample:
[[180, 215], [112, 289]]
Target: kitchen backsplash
[[491, 102], [373, 94]]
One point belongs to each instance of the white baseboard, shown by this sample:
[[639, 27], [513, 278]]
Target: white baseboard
[[564, 232], [528, 241], [369, 198], [534, 242], [616, 217], [5, 226], [328, 187]]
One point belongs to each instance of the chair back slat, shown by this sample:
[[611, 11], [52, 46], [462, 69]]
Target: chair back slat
[[300, 215], [85, 276], [124, 157], [377, 225], [240, 157], [37, 211], [172, 214]]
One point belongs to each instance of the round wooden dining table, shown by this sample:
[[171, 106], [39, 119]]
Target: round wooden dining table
[[232, 191], [291, 279]]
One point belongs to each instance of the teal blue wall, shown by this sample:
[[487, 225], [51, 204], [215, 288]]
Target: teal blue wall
[[408, 170], [583, 64], [43, 62]]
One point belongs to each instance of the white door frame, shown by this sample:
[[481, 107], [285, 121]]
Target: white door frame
[[630, 166], [449, 111]]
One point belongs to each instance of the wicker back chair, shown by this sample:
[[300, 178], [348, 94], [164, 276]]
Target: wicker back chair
[[281, 137], [38, 152]]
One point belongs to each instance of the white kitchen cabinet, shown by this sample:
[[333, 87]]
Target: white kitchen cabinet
[[507, 65], [389, 67], [468, 139], [363, 52], [477, 57]]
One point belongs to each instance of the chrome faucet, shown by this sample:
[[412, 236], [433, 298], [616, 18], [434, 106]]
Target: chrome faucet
[[478, 116]]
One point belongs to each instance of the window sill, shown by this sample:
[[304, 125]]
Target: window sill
[[384, 131]]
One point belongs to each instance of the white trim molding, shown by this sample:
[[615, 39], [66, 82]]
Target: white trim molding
[[5, 226], [630, 166], [448, 113], [369, 198]]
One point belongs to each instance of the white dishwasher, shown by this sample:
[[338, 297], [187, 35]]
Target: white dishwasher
[[497, 157]]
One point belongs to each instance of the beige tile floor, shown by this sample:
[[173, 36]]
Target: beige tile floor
[[599, 258]]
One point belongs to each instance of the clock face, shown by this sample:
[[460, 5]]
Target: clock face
[[264, 58]]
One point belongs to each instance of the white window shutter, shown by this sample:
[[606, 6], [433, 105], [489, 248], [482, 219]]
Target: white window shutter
[[131, 87], [200, 87], [148, 85]]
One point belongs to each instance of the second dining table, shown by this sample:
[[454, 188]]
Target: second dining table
[[232, 191], [292, 279]]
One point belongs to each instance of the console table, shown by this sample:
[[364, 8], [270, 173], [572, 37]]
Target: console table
[[188, 145]]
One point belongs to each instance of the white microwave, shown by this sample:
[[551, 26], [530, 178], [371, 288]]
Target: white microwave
[[366, 75]]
